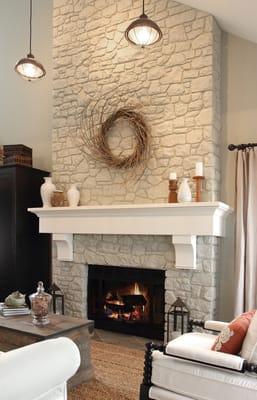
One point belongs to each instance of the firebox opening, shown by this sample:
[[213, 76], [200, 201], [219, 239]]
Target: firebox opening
[[127, 304], [129, 300]]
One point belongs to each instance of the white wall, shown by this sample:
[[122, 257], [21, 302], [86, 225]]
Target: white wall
[[26, 108], [239, 107]]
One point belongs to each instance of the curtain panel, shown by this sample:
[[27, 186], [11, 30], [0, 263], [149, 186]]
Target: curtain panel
[[246, 231]]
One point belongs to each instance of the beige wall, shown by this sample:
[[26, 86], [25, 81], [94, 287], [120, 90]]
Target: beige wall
[[26, 108], [239, 103], [239, 107]]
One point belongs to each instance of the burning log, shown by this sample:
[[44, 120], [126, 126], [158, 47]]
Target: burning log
[[134, 300], [119, 307], [125, 307]]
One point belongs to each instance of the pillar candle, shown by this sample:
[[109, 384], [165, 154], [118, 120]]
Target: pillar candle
[[173, 176], [199, 169]]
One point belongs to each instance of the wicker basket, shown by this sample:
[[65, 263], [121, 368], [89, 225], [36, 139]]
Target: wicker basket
[[17, 154]]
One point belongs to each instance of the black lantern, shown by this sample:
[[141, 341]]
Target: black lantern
[[58, 299], [177, 318]]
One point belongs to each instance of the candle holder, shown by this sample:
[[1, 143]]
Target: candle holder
[[173, 187], [198, 187]]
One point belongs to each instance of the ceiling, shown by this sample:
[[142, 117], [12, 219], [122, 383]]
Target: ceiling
[[235, 16]]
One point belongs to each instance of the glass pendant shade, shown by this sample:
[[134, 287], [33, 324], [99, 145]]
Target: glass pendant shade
[[143, 32], [29, 68]]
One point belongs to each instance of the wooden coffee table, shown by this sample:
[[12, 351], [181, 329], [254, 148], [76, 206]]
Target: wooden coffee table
[[18, 331]]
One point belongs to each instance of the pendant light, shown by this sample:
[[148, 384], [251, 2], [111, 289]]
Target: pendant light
[[29, 68], [143, 31]]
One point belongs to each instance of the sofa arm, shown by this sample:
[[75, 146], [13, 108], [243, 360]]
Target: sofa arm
[[30, 371], [216, 326], [184, 348]]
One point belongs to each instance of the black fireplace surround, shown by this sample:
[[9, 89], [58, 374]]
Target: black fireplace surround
[[127, 299]]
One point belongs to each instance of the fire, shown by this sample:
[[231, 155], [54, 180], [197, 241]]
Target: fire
[[136, 289], [127, 304]]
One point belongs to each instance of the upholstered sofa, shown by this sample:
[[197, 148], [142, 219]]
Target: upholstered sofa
[[38, 371], [186, 368]]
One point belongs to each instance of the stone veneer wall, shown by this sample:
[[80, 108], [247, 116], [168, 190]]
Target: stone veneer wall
[[178, 82], [197, 287]]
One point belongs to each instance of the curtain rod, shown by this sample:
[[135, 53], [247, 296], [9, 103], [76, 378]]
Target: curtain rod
[[243, 146]]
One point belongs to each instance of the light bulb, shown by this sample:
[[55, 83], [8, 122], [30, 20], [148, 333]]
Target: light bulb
[[143, 35]]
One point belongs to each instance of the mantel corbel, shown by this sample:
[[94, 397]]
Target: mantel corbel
[[64, 246], [185, 251]]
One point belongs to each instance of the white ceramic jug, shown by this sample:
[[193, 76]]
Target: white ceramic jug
[[184, 192], [46, 191], [73, 196]]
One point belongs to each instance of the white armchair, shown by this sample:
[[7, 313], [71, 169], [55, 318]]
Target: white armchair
[[38, 371], [186, 368]]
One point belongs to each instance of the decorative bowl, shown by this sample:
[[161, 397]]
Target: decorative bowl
[[15, 299]]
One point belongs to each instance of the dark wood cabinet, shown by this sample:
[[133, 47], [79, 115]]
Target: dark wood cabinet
[[25, 255]]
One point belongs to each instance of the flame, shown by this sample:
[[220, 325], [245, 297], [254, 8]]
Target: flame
[[136, 289]]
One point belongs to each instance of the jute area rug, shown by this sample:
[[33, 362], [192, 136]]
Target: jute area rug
[[118, 374]]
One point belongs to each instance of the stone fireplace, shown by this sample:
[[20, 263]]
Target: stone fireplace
[[178, 83]]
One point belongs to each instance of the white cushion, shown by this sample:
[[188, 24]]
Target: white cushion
[[215, 325], [249, 348], [197, 347], [199, 381], [157, 393]]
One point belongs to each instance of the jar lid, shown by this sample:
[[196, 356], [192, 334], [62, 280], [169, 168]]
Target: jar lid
[[40, 287]]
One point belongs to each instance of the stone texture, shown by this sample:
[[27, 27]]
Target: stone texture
[[178, 83], [196, 287]]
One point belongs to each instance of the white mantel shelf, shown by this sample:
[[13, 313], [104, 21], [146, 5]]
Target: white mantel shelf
[[182, 221]]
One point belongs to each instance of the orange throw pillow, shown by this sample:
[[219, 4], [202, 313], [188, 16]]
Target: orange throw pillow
[[231, 338]]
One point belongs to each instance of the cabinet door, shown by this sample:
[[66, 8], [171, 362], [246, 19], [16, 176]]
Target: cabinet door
[[7, 234], [32, 248]]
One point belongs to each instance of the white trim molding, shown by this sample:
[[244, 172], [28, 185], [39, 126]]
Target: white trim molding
[[182, 221]]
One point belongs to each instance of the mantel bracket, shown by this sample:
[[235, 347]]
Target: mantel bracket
[[64, 245], [185, 251]]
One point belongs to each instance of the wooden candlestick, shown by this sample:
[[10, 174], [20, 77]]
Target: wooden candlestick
[[198, 187], [173, 187]]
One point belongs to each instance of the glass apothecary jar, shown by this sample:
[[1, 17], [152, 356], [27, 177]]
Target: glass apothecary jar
[[40, 303]]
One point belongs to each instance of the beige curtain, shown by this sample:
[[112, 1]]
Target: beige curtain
[[246, 231]]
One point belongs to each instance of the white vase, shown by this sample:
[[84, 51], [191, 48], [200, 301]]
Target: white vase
[[46, 191], [184, 192], [73, 196]]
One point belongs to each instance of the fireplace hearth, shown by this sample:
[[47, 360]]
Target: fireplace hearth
[[127, 299]]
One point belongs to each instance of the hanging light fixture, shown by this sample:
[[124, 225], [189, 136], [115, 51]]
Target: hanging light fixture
[[143, 31], [29, 68]]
